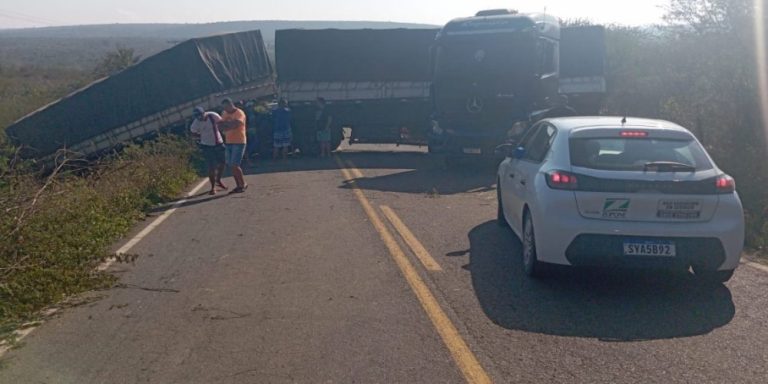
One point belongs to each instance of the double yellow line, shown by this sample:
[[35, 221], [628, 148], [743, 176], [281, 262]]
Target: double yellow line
[[467, 362]]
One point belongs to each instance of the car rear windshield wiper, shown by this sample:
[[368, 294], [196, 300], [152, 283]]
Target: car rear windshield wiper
[[668, 166]]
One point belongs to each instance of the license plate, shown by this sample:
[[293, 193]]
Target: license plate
[[650, 248], [473, 151]]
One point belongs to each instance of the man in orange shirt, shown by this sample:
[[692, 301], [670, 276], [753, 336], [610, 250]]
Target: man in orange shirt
[[233, 125]]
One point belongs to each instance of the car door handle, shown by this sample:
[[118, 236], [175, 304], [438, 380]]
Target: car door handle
[[523, 182], [511, 175]]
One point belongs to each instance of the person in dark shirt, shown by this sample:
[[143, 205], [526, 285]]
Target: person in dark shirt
[[281, 130], [323, 122]]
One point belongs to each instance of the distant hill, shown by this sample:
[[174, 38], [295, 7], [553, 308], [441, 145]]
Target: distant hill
[[186, 31], [79, 47]]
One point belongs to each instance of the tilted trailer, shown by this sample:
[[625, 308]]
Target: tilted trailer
[[158, 92]]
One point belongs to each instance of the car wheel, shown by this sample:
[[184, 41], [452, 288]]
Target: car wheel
[[500, 219], [531, 264], [714, 277]]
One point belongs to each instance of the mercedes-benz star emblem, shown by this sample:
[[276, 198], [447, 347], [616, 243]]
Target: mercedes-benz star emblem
[[475, 104], [480, 56]]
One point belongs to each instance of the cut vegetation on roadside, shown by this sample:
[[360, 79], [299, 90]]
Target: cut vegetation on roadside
[[55, 230]]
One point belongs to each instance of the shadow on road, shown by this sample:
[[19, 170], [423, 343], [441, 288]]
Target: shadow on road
[[412, 172], [612, 306], [188, 202]]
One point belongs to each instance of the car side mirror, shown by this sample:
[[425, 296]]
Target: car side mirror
[[505, 150], [519, 153]]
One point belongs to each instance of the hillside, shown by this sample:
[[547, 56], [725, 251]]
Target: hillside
[[78, 47], [186, 31]]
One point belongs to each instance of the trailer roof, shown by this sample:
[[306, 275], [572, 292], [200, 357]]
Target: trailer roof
[[190, 70], [356, 55]]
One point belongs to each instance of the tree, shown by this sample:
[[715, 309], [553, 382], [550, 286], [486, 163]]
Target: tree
[[719, 16], [116, 61], [701, 70]]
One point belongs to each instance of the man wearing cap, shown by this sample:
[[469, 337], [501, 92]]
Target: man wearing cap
[[233, 125], [205, 127]]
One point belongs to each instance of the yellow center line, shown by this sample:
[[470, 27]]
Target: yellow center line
[[418, 249], [353, 169], [466, 361]]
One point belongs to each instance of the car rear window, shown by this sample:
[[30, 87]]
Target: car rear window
[[633, 154]]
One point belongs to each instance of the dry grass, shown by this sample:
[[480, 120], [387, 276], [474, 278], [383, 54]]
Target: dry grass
[[54, 231]]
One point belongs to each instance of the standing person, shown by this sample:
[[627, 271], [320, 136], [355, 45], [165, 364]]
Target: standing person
[[281, 131], [205, 127], [233, 123], [323, 122], [251, 133]]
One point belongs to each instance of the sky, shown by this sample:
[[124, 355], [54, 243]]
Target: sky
[[38, 13]]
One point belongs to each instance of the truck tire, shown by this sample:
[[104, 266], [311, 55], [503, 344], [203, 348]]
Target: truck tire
[[337, 136]]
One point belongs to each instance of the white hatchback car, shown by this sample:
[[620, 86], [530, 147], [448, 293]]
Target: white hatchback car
[[612, 191]]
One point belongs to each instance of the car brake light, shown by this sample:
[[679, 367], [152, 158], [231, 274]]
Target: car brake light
[[562, 180], [725, 184], [633, 134]]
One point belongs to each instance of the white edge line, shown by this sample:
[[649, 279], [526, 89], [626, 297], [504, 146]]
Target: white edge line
[[151, 227], [21, 334]]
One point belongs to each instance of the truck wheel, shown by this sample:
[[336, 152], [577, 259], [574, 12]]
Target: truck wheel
[[337, 136]]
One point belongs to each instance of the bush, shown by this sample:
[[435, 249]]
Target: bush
[[54, 232], [700, 71]]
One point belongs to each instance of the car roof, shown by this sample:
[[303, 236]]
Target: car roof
[[575, 123]]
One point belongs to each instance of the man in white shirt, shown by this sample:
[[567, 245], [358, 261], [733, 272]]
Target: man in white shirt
[[205, 127]]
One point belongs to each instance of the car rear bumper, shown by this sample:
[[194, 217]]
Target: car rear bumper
[[574, 240], [608, 250]]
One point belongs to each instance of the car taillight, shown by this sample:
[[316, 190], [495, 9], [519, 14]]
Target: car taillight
[[725, 184], [562, 180]]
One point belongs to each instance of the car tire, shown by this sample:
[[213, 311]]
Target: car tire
[[531, 264], [501, 221], [714, 277]]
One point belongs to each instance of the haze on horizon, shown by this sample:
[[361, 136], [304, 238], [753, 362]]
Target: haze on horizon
[[43, 13]]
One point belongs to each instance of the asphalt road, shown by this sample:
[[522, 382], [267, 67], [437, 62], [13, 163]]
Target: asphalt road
[[391, 270]]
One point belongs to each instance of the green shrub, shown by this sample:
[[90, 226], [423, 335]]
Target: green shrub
[[54, 232]]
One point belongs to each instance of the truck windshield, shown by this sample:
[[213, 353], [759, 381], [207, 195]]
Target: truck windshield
[[625, 154], [485, 56]]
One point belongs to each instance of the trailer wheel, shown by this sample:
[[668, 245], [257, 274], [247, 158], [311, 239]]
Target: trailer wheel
[[337, 136]]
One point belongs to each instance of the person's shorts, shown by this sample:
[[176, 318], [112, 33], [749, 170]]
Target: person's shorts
[[324, 136], [213, 155], [281, 142], [234, 154]]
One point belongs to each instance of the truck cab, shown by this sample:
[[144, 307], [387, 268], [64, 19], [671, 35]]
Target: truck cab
[[497, 72], [489, 72]]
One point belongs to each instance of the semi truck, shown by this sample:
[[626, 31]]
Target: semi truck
[[375, 82], [158, 92], [494, 73]]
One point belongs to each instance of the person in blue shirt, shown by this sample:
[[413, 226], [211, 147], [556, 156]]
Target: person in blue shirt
[[281, 131]]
